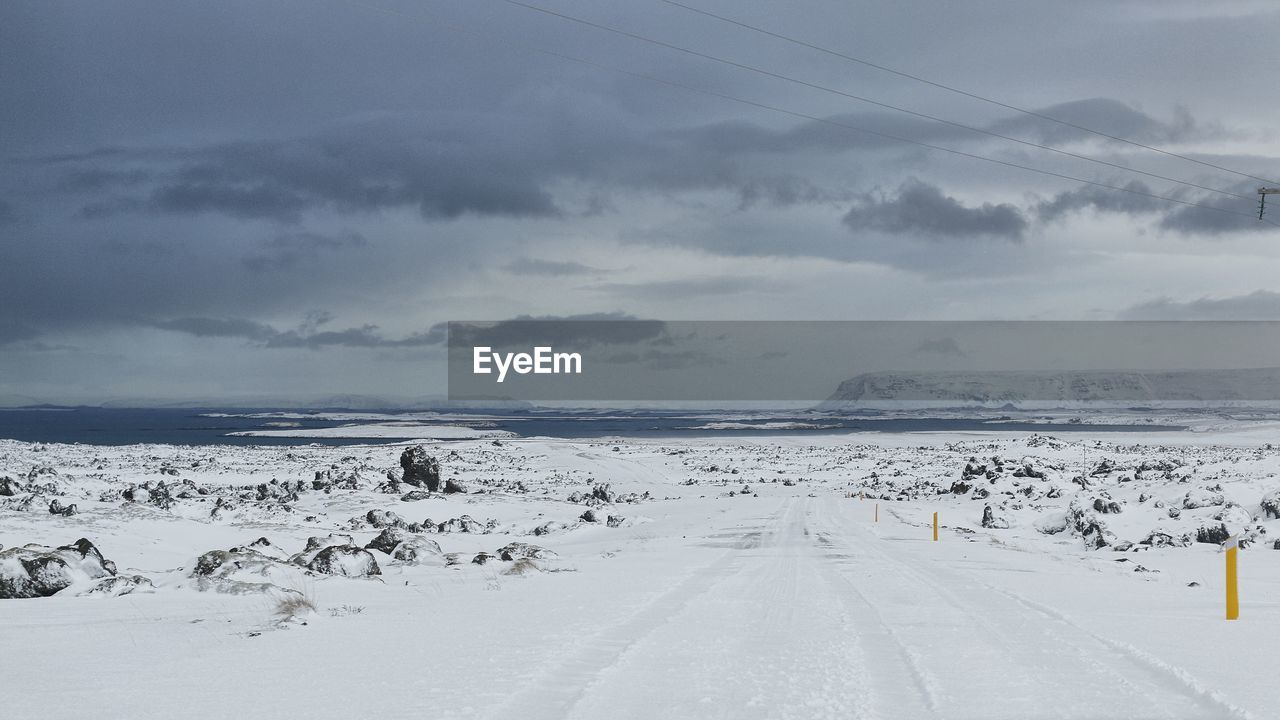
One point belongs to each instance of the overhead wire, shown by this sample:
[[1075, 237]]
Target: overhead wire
[[959, 91], [429, 16]]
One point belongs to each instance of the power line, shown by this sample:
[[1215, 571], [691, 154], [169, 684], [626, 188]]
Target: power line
[[895, 108], [958, 91], [791, 113]]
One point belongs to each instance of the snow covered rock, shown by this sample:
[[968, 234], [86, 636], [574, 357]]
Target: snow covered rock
[[57, 508], [516, 550], [346, 560], [417, 550], [990, 520], [420, 469], [589, 516], [387, 540], [120, 585], [36, 571], [10, 487], [1106, 506], [464, 524], [1201, 497], [452, 486], [1270, 504]]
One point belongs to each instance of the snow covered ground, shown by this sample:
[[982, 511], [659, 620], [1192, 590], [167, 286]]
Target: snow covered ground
[[710, 578]]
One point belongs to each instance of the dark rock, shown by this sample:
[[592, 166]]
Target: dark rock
[[417, 550], [120, 585], [420, 469], [454, 486], [36, 571], [589, 516], [57, 508], [1202, 498], [10, 487], [1270, 503], [989, 519], [387, 540], [1214, 534], [464, 524], [415, 496], [960, 487], [615, 521], [1106, 507], [384, 519], [518, 550], [345, 560], [481, 558]]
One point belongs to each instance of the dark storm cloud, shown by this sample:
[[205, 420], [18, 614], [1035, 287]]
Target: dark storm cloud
[[1101, 199], [12, 331], [289, 249], [1211, 214], [585, 330], [922, 209], [691, 287], [1104, 115], [217, 327], [309, 336], [551, 268], [1258, 305]]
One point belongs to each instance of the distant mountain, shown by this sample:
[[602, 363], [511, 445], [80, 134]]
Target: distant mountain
[[1043, 389]]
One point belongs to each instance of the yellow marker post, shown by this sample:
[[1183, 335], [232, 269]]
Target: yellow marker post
[[1233, 592], [935, 527], [877, 512]]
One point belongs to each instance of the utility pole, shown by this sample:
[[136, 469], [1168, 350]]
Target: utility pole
[[1263, 192]]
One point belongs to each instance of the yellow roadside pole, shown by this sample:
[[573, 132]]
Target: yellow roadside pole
[[935, 527], [1233, 592], [877, 512]]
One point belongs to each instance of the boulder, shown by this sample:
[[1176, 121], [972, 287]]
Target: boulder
[[1200, 498], [387, 540], [37, 571], [416, 551], [384, 519], [1106, 506], [415, 496], [420, 469], [464, 524], [57, 508], [345, 560], [10, 487], [120, 585], [589, 516], [615, 521], [452, 486], [516, 550], [990, 520], [1270, 504]]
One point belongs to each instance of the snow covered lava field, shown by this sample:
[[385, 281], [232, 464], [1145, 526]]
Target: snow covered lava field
[[694, 578]]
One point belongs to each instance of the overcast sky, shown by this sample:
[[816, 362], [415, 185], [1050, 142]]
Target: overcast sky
[[281, 198]]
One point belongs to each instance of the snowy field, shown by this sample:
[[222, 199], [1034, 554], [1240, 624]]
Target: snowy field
[[696, 578]]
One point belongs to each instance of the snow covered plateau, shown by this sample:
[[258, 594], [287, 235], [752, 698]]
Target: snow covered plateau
[[1077, 576]]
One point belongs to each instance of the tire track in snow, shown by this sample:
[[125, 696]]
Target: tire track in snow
[[554, 692], [1122, 682]]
